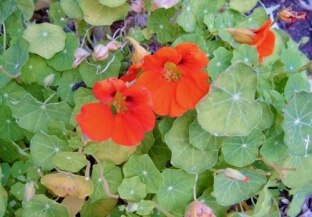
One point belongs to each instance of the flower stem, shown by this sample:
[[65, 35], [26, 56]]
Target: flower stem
[[278, 169], [161, 209], [275, 20], [6, 73], [106, 187]]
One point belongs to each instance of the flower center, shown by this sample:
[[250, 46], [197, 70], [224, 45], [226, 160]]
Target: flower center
[[118, 104], [171, 72]]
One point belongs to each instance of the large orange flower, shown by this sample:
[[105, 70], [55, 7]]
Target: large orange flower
[[123, 115], [174, 78], [263, 38]]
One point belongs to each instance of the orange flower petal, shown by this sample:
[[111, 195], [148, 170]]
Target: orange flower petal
[[105, 90], [164, 99], [192, 88], [267, 46], [150, 80], [95, 121], [145, 116], [133, 72], [126, 130], [155, 63], [193, 59], [138, 95], [261, 33]]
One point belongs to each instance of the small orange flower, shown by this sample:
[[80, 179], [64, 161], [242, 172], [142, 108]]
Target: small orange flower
[[174, 78], [123, 115], [263, 38], [290, 16]]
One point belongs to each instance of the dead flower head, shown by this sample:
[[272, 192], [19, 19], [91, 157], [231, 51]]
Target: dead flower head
[[290, 17]]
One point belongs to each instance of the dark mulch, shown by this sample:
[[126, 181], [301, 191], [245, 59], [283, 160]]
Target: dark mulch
[[299, 29]]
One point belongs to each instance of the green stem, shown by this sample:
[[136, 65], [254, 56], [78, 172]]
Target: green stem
[[4, 36], [278, 169], [275, 20], [6, 73], [161, 209], [50, 97], [106, 187]]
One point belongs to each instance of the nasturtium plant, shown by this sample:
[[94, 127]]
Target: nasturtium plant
[[152, 108]]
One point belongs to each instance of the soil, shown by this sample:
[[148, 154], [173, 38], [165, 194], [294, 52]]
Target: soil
[[300, 28]]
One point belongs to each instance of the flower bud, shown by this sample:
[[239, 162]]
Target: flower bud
[[235, 175], [241, 35], [139, 51], [113, 45], [100, 52], [48, 80], [29, 192], [198, 209], [80, 55]]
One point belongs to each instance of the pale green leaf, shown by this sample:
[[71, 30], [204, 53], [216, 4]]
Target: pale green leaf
[[228, 191], [42, 206], [9, 130], [72, 8], [113, 177], [176, 189], [143, 167], [184, 154], [230, 103], [243, 150], [98, 14], [132, 189], [274, 148], [45, 39], [220, 62], [295, 84], [27, 8], [35, 116], [112, 3], [70, 161], [44, 147], [245, 53], [297, 124], [243, 6], [187, 16]]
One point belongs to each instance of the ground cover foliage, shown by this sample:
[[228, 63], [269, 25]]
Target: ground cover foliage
[[151, 108]]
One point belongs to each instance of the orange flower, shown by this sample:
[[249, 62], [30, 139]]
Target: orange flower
[[123, 115], [133, 72], [263, 38], [174, 78]]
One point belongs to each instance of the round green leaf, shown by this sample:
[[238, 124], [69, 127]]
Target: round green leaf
[[295, 84], [6, 171], [299, 178], [299, 196], [132, 189], [243, 6], [112, 3], [274, 148], [230, 103], [34, 69], [193, 38], [19, 168], [27, 7], [92, 72], [220, 62], [42, 206], [44, 147], [267, 116], [14, 58], [97, 14], [201, 139], [45, 39], [7, 7], [9, 130], [12, 92], [57, 15], [35, 116], [245, 53], [291, 61], [8, 152], [176, 189], [58, 129], [145, 207], [72, 8], [17, 190], [116, 154], [70, 161], [143, 167], [297, 124], [228, 191], [187, 16], [184, 154], [113, 177], [243, 150], [63, 60], [159, 23], [98, 208], [15, 29], [254, 20]]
